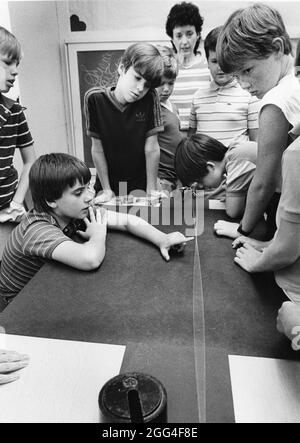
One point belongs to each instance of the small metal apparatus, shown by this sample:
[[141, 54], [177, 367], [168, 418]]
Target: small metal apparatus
[[133, 398]]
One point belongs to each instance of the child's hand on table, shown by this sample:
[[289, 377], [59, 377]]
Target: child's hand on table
[[226, 229], [103, 196], [10, 362], [247, 257], [174, 241], [257, 244], [12, 213]]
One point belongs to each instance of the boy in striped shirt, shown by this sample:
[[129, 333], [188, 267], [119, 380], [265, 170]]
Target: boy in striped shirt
[[223, 110], [14, 133], [60, 188]]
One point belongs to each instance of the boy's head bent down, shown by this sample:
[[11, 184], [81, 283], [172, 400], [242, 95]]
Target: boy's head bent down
[[255, 46], [59, 185], [200, 159], [141, 68]]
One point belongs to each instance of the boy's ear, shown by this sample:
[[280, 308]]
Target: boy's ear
[[278, 45], [121, 69], [52, 205], [210, 166]]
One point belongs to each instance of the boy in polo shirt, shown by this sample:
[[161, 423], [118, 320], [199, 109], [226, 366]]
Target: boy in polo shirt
[[59, 184], [14, 133], [123, 123], [223, 110]]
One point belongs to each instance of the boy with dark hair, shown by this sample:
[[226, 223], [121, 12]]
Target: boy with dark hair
[[254, 46], [223, 110], [207, 161], [59, 184], [169, 139], [123, 123]]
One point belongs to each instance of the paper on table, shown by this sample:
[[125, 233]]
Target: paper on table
[[265, 390], [216, 204], [62, 381], [130, 200]]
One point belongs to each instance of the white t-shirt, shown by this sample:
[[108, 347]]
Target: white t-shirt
[[286, 96]]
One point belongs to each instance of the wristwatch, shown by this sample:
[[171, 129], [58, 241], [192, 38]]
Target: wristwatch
[[242, 232]]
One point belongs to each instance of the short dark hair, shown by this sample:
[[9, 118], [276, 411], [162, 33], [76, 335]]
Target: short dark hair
[[170, 62], [51, 174], [9, 45], [146, 61], [211, 39], [249, 33], [192, 156], [184, 14]]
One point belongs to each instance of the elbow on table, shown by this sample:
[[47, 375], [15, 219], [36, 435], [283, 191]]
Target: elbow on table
[[92, 262]]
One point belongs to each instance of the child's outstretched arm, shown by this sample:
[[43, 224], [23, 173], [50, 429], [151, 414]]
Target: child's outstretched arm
[[152, 154], [138, 226], [89, 255], [28, 157], [100, 163]]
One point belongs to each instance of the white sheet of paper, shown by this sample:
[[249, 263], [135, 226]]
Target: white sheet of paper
[[265, 390], [62, 381], [216, 204]]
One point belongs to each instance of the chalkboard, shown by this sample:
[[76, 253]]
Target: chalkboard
[[95, 69]]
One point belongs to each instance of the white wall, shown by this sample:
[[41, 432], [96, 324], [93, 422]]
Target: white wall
[[40, 75], [42, 27], [113, 15]]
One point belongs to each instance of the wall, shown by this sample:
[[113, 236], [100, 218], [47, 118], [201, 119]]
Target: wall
[[40, 74], [112, 15], [43, 26]]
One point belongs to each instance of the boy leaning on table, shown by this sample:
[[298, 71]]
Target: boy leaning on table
[[59, 184]]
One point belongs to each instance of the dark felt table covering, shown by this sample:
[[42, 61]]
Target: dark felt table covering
[[240, 317], [135, 298], [139, 300]]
